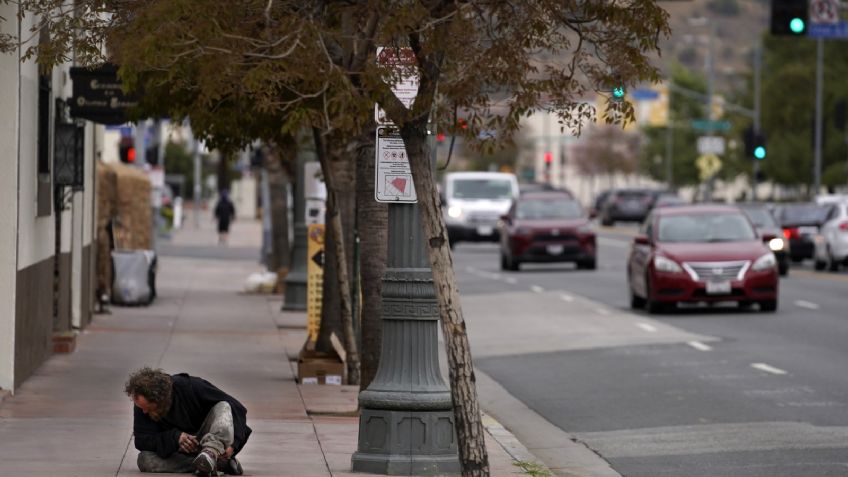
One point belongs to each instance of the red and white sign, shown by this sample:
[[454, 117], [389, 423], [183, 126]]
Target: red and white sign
[[393, 183], [407, 88]]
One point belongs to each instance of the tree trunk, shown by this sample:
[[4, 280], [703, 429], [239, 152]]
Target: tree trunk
[[341, 192], [278, 184], [372, 224], [469, 426]]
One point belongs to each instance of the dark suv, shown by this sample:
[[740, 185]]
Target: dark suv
[[630, 205]]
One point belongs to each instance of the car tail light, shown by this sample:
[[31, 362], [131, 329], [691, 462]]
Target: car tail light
[[843, 226], [791, 233]]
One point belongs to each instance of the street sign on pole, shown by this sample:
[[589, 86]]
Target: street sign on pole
[[407, 88], [711, 145], [394, 176], [826, 21], [709, 125]]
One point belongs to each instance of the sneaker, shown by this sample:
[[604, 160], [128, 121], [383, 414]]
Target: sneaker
[[230, 466], [205, 461]]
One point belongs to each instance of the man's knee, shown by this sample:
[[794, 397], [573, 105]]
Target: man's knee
[[221, 407]]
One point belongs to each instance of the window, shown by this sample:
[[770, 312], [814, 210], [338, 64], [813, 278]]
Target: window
[[44, 193]]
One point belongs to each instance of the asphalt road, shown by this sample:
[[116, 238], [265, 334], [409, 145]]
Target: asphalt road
[[699, 392]]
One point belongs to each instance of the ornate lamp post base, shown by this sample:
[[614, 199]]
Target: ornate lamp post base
[[406, 443]]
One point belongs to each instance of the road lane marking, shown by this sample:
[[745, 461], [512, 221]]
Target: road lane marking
[[537, 289], [567, 297], [769, 369], [471, 270], [647, 327], [699, 346], [602, 311], [510, 280], [820, 275], [806, 304]]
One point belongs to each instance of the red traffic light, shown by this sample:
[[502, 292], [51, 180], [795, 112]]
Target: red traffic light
[[440, 137], [131, 155], [549, 157]]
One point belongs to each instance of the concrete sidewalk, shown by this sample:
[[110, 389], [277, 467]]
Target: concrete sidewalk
[[72, 418]]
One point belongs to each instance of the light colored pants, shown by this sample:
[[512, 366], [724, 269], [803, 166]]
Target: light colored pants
[[216, 433]]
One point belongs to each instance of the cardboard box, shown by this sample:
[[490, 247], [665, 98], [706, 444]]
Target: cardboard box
[[314, 367]]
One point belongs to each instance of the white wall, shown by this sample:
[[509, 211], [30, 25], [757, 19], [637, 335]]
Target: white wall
[[8, 199], [38, 231]]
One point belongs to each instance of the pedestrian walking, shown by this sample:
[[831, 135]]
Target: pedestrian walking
[[185, 424], [225, 212]]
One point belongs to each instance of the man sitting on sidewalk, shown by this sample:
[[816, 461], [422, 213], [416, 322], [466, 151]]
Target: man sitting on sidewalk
[[183, 424]]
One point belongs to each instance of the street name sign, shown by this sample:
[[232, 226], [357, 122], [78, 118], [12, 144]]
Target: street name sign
[[709, 125], [393, 182]]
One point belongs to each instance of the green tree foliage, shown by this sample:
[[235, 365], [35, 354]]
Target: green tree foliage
[[249, 68]]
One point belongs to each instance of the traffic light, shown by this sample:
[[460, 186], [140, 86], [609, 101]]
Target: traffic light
[[618, 93], [755, 144], [789, 17], [549, 159], [126, 150], [840, 114]]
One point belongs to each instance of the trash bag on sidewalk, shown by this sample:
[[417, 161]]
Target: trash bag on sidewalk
[[134, 277]]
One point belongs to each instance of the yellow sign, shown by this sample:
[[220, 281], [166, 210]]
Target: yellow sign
[[708, 165], [314, 279], [657, 110]]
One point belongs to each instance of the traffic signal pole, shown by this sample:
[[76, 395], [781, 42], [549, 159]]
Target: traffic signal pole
[[818, 141], [758, 65]]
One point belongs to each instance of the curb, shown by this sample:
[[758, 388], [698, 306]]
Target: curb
[[510, 444]]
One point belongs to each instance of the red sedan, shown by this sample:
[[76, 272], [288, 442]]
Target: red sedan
[[700, 254], [546, 227]]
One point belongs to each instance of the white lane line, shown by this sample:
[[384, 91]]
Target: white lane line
[[567, 297], [614, 242], [806, 304], [602, 311], [537, 289], [510, 280], [699, 346], [767, 368], [470, 269], [647, 327]]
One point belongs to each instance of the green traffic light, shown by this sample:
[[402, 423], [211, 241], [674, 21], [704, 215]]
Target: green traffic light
[[618, 93], [797, 25], [760, 152]]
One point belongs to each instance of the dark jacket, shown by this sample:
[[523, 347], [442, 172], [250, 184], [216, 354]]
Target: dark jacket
[[191, 400]]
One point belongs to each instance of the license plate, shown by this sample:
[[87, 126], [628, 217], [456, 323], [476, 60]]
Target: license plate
[[718, 288], [485, 230], [555, 249], [807, 230]]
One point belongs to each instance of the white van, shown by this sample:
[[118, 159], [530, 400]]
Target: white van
[[475, 201]]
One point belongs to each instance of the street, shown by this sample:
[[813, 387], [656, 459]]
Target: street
[[696, 392]]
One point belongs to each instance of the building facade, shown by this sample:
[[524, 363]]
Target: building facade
[[46, 231]]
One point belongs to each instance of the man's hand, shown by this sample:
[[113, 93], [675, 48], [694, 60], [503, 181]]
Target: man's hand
[[188, 443], [229, 452]]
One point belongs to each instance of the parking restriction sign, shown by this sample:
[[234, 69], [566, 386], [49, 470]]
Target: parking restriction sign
[[394, 176]]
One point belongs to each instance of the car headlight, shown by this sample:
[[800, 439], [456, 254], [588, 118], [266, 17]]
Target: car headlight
[[662, 264], [764, 263], [454, 212], [776, 244]]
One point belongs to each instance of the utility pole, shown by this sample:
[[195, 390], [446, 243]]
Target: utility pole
[[295, 295], [758, 64], [710, 59], [196, 205], [818, 132]]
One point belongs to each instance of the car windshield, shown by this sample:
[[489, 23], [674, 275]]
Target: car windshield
[[538, 209], [761, 218], [633, 195], [710, 227], [803, 214], [494, 189]]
